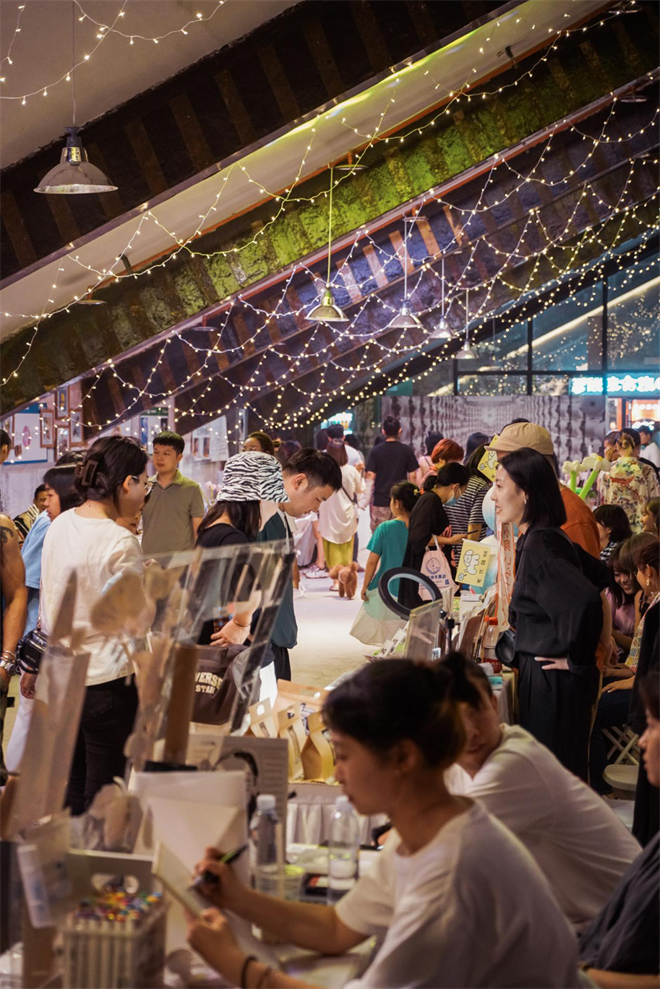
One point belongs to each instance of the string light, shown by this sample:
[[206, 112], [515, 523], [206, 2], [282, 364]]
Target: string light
[[105, 31], [17, 30], [264, 229], [236, 250], [199, 18]]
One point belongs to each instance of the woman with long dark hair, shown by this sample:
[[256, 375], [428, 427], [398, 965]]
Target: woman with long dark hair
[[338, 515], [556, 611], [453, 898], [252, 488], [429, 523], [111, 482]]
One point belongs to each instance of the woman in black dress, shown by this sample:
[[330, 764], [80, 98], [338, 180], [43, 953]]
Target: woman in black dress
[[647, 817], [556, 611], [428, 519]]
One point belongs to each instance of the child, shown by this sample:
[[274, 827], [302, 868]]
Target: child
[[375, 623]]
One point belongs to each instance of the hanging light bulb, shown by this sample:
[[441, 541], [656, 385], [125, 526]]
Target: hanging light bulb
[[74, 174], [327, 311], [466, 353], [441, 330], [405, 319]]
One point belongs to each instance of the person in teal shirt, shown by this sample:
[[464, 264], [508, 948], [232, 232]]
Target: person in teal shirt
[[375, 623]]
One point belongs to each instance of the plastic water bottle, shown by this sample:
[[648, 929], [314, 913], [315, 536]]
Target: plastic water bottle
[[343, 850], [266, 862]]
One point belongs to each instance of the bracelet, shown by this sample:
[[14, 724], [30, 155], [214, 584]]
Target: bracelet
[[7, 653], [264, 975], [246, 963], [240, 625]]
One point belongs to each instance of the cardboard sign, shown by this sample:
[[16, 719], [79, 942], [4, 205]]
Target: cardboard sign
[[473, 563], [488, 463]]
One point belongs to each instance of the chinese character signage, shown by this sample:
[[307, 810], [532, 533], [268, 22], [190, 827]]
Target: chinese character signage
[[617, 384]]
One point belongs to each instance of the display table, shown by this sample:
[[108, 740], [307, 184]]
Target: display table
[[310, 812]]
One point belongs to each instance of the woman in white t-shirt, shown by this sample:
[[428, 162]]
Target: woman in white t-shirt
[[454, 898], [112, 481]]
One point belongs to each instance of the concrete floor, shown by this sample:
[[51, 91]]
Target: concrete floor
[[325, 649]]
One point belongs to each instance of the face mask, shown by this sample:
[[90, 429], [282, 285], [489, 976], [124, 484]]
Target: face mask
[[452, 500]]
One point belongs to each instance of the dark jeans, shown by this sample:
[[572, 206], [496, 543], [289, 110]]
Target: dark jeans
[[107, 720], [612, 712], [282, 662]]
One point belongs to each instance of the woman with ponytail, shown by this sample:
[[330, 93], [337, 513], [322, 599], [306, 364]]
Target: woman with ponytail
[[111, 483], [454, 898], [375, 623], [429, 523]]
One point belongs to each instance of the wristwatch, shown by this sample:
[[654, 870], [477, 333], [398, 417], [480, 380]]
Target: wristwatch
[[8, 663]]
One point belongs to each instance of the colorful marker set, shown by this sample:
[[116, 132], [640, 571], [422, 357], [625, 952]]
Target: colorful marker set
[[115, 940]]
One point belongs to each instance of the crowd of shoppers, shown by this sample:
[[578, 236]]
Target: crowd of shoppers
[[501, 833]]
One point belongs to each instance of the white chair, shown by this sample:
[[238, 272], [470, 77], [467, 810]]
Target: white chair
[[622, 779], [625, 743]]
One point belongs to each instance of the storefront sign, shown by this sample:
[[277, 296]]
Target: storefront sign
[[617, 384]]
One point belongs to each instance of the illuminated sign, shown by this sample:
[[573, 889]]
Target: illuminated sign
[[617, 384]]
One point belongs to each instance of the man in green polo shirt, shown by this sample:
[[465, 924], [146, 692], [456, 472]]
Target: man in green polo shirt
[[175, 506]]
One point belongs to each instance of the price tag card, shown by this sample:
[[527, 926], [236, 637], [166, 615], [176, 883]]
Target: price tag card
[[488, 463], [473, 563]]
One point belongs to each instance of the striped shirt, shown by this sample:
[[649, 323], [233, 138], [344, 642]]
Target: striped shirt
[[466, 510]]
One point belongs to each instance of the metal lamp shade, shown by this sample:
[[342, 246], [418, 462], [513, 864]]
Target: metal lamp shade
[[405, 320], [466, 353], [326, 311], [441, 331], [74, 174]]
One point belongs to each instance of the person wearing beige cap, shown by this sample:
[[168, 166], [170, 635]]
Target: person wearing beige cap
[[580, 525]]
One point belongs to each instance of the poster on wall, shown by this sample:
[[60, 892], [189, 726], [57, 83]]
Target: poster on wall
[[63, 441], [47, 427], [201, 443], [62, 401], [27, 434], [76, 430], [219, 451], [154, 422]]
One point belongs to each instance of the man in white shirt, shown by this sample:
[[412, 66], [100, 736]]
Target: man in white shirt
[[650, 450], [577, 841]]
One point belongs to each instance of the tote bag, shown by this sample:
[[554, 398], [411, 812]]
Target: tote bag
[[435, 566]]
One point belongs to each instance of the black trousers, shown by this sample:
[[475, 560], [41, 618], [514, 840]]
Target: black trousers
[[107, 720], [282, 662], [556, 707]]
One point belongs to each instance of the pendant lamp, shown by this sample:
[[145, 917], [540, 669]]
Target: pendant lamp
[[466, 353], [441, 330], [405, 319], [327, 311], [74, 174]]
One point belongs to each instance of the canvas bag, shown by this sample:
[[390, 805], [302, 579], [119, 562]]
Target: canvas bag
[[215, 685], [435, 566]]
